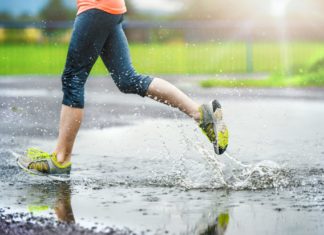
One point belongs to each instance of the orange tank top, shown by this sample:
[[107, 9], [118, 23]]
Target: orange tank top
[[110, 6]]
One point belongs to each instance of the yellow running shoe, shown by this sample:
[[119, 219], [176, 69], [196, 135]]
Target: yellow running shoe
[[213, 126], [42, 163]]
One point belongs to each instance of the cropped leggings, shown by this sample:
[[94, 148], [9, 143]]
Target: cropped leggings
[[97, 33]]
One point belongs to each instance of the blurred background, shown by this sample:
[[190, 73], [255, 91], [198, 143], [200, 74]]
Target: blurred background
[[232, 43]]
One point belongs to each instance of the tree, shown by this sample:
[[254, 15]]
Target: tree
[[131, 12], [55, 10], [4, 16], [25, 17]]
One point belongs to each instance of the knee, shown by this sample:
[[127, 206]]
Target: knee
[[125, 86], [73, 92], [132, 83]]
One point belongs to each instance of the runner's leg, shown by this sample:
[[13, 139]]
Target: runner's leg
[[90, 32], [167, 93], [116, 56]]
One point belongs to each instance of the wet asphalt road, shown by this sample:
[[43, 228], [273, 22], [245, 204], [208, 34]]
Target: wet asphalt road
[[140, 166]]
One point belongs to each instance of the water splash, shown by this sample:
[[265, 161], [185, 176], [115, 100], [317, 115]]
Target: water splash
[[175, 154], [236, 175]]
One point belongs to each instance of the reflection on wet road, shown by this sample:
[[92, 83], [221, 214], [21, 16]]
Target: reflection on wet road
[[61, 205]]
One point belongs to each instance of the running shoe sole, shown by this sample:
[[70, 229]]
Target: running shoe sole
[[221, 132]]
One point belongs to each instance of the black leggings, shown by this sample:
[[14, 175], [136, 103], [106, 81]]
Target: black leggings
[[97, 33]]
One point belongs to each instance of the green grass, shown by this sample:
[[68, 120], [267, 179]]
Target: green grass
[[180, 58], [279, 81]]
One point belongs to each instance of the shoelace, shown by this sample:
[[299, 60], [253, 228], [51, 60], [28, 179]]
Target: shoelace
[[35, 154]]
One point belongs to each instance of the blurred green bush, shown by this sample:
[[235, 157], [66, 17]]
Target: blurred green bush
[[33, 35]]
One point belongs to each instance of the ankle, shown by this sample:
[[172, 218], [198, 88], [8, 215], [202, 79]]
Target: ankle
[[64, 162], [62, 158], [196, 116]]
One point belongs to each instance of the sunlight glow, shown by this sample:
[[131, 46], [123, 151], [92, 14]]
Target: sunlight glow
[[159, 6], [279, 8]]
